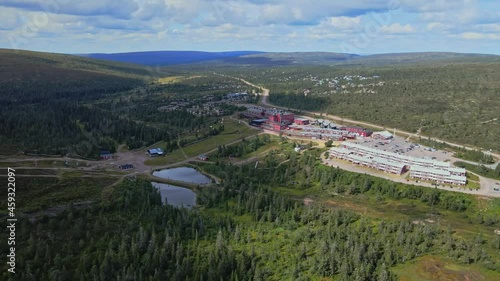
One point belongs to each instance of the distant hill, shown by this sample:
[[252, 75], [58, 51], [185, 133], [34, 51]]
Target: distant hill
[[292, 58], [255, 58], [326, 58], [423, 57], [161, 58], [28, 76]]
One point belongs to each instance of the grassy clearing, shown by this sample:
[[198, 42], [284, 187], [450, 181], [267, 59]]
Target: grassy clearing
[[404, 209], [480, 170], [232, 132], [37, 164], [36, 193], [170, 79], [37, 172], [472, 177], [217, 212], [435, 268], [472, 185], [170, 158], [312, 191], [176, 79], [274, 144]]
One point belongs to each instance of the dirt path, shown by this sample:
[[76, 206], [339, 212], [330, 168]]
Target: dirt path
[[195, 158]]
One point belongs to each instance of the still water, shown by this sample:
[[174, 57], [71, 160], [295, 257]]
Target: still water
[[176, 196], [184, 174]]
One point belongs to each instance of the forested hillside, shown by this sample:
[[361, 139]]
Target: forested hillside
[[452, 99], [27, 77], [245, 230], [61, 104]]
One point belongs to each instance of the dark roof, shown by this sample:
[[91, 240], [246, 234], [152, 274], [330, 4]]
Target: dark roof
[[126, 166], [105, 152], [156, 151]]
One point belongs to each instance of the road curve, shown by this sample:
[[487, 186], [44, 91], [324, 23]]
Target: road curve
[[264, 101], [486, 184]]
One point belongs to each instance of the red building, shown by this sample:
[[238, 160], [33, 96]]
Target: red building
[[279, 127], [286, 118], [301, 121]]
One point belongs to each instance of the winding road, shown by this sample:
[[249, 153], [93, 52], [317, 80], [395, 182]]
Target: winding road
[[486, 184], [264, 101]]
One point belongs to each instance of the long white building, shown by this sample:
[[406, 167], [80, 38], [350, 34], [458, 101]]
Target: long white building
[[420, 168], [440, 176], [371, 162]]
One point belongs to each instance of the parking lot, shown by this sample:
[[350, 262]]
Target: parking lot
[[401, 146]]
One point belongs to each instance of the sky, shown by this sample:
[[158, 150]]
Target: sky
[[352, 26]]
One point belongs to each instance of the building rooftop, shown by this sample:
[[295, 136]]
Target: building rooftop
[[429, 170], [389, 163], [457, 170], [399, 156], [156, 151], [384, 134], [341, 150]]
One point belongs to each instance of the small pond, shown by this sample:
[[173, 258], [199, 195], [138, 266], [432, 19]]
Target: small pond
[[184, 174], [176, 196]]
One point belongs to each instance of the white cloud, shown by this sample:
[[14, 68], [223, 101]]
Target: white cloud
[[432, 6], [397, 28], [243, 24], [478, 36], [490, 27], [439, 26], [342, 23]]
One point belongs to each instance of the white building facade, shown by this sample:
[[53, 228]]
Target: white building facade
[[390, 162]]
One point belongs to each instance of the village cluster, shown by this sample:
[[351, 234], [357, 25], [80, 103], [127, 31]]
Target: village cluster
[[366, 153], [287, 123], [345, 84], [208, 105]]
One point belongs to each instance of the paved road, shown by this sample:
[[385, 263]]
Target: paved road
[[487, 184], [486, 189], [264, 101]]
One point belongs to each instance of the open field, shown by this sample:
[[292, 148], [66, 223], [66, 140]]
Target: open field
[[176, 79], [36, 193], [480, 170], [435, 268], [170, 158], [371, 206], [233, 131]]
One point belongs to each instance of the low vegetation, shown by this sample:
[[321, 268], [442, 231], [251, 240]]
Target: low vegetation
[[100, 105], [481, 170], [245, 230], [454, 100]]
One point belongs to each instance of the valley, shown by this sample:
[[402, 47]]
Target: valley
[[271, 204]]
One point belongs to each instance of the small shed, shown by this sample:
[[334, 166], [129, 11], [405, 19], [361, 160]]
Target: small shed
[[126, 167], [105, 155], [156, 152], [203, 158]]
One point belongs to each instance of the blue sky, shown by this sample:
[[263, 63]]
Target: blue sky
[[354, 26]]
